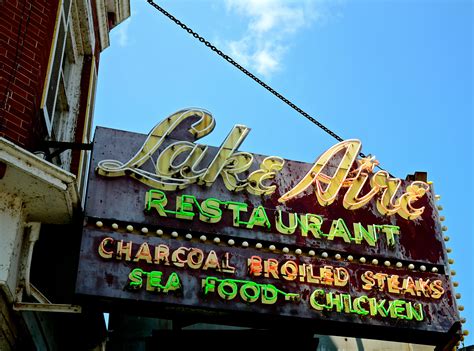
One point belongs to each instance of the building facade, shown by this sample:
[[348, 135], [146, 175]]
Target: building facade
[[49, 59]]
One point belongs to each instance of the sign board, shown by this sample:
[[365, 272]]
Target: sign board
[[335, 245]]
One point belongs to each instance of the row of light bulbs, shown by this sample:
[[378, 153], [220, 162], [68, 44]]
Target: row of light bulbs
[[444, 228], [286, 250]]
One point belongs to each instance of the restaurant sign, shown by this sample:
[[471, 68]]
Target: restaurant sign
[[335, 245]]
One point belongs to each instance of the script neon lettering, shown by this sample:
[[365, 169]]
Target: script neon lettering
[[353, 173], [180, 163]]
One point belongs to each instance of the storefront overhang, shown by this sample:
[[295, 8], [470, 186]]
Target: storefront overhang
[[48, 193]]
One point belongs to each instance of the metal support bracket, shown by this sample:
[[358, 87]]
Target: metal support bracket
[[43, 304], [62, 146], [32, 230]]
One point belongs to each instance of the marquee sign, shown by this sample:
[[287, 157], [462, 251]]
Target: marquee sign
[[335, 245]]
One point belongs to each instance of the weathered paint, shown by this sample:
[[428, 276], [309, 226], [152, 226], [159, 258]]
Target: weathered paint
[[108, 278], [122, 199]]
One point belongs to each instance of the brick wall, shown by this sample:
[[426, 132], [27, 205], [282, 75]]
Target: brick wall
[[26, 30]]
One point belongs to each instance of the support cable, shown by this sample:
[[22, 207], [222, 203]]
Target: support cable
[[248, 73]]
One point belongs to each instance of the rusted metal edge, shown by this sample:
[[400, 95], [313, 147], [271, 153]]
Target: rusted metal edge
[[43, 304], [42, 307]]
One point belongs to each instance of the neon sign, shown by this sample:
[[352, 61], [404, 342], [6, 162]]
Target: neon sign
[[364, 305], [172, 173], [249, 291], [153, 281], [353, 177], [395, 284], [180, 164], [216, 230], [293, 271], [161, 254], [212, 210]]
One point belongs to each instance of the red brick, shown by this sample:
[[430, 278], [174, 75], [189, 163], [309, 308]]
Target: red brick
[[9, 26], [36, 18], [19, 5], [19, 83], [31, 44], [6, 28], [26, 124], [28, 107], [9, 126], [37, 7], [11, 52], [20, 108], [3, 86], [27, 68], [10, 45], [23, 141], [6, 66], [21, 99], [14, 119], [10, 16], [32, 60], [38, 33], [16, 109], [7, 114], [14, 100], [25, 52], [21, 92], [23, 78]]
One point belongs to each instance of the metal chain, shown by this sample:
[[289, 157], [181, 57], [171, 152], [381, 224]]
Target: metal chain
[[247, 72]]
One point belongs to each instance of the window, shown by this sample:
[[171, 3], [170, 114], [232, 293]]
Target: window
[[50, 104], [73, 38]]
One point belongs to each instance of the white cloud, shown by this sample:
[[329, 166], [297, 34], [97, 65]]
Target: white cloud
[[266, 62], [120, 33], [271, 23]]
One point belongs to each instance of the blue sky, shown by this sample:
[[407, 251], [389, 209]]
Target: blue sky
[[397, 75]]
